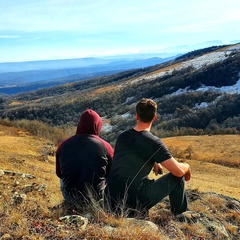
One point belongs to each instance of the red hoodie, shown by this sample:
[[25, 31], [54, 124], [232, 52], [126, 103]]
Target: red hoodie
[[84, 158]]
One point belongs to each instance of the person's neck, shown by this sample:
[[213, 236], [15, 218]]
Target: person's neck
[[143, 127]]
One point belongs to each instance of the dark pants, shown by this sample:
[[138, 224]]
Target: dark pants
[[149, 193], [152, 192]]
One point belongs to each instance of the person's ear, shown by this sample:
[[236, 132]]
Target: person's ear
[[154, 118], [137, 117]]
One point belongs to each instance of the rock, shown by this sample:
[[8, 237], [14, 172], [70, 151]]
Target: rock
[[34, 187], [75, 219], [23, 175], [28, 188], [142, 223], [1, 172], [6, 236], [18, 198], [110, 230], [40, 187], [216, 227], [16, 183]]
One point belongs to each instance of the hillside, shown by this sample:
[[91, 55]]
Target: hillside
[[31, 203], [197, 93]]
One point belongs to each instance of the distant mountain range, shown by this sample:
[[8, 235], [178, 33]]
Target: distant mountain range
[[27, 76], [18, 77]]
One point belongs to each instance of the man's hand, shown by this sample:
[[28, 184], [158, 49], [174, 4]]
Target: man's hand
[[187, 176], [157, 168]]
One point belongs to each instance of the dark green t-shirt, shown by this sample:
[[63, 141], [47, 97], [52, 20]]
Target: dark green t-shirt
[[134, 156]]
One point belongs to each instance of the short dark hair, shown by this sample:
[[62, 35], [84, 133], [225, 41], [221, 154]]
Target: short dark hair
[[146, 110]]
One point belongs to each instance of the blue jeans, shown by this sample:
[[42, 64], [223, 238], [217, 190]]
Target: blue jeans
[[75, 196], [65, 194]]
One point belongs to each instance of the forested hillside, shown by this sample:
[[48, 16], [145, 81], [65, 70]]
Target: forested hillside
[[196, 94]]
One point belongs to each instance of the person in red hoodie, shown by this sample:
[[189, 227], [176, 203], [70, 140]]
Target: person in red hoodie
[[84, 160]]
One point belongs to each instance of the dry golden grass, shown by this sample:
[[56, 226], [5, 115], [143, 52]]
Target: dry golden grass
[[36, 215], [222, 149], [14, 103], [214, 160], [23, 153], [104, 89]]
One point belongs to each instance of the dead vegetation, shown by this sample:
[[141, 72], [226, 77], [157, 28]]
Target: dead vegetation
[[32, 208], [214, 160], [220, 149]]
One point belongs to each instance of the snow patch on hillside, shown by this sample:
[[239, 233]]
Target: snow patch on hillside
[[233, 89], [197, 63], [125, 115], [204, 60], [210, 58], [107, 127], [226, 89], [201, 105]]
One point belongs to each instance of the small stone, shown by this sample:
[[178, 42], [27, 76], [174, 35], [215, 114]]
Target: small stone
[[1, 173], [142, 223], [18, 198], [16, 183], [6, 236], [28, 188], [75, 219]]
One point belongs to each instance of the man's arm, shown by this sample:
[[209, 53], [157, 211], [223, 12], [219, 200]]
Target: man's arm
[[177, 169]]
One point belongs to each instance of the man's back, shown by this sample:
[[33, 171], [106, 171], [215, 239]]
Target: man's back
[[134, 156]]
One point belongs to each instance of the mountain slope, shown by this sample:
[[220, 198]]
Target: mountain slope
[[199, 92]]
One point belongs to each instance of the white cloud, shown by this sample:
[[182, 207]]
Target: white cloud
[[101, 15], [117, 26]]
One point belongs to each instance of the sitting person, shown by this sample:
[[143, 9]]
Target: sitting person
[[84, 160], [136, 153]]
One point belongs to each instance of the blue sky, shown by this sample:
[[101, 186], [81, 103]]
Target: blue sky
[[60, 29]]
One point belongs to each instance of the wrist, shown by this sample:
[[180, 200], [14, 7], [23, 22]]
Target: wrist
[[187, 167]]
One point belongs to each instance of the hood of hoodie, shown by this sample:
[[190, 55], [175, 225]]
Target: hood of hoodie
[[89, 123]]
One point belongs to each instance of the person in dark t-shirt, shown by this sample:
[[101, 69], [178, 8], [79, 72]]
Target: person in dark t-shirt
[[137, 152], [84, 160]]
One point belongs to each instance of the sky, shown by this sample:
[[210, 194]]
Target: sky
[[60, 29]]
